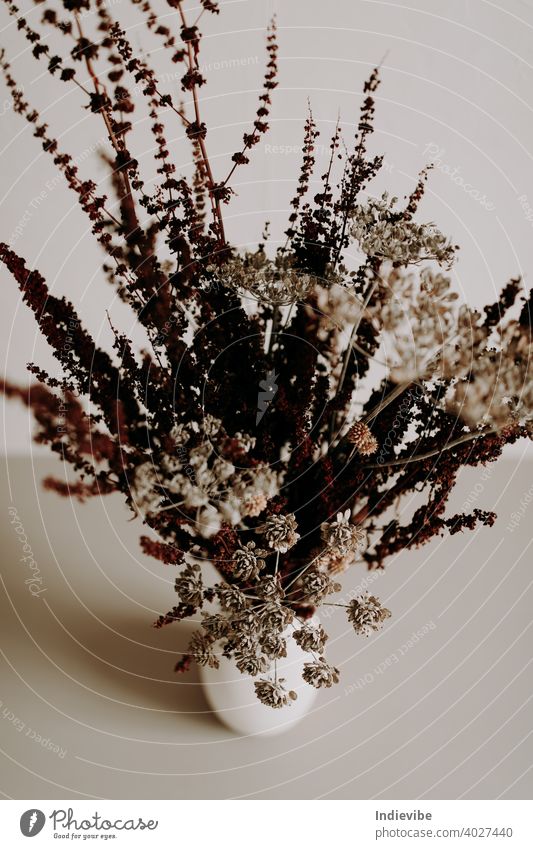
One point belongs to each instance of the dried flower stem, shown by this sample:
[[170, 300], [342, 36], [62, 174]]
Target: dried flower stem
[[192, 61], [99, 88], [398, 390], [348, 353], [416, 458], [302, 572], [177, 435]]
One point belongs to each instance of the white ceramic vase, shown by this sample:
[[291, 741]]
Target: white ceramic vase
[[232, 695]]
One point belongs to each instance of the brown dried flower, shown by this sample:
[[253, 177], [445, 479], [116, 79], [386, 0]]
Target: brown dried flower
[[280, 532], [311, 638], [362, 437], [201, 648], [316, 585], [248, 562], [319, 673], [342, 537], [273, 693], [366, 614], [189, 586]]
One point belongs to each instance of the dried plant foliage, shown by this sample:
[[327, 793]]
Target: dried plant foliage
[[234, 438]]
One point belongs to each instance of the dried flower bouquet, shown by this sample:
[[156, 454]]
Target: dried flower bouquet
[[252, 432]]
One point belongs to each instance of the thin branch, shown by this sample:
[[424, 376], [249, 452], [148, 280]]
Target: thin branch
[[398, 390], [192, 61], [348, 354], [416, 458], [99, 88]]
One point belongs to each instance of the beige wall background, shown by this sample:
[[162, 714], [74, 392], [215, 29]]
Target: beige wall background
[[457, 82]]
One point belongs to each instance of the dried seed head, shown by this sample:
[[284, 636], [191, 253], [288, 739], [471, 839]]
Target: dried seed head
[[251, 664], [362, 437], [367, 614], [201, 648], [273, 693], [319, 673], [189, 586], [280, 532], [316, 585], [310, 638], [342, 536], [274, 646], [248, 562]]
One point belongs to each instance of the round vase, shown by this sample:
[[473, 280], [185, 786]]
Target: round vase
[[232, 697]]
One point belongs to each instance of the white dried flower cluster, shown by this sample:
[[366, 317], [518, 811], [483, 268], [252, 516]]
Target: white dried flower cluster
[[382, 232], [427, 335], [248, 562], [315, 585], [311, 638], [319, 673], [280, 532], [252, 618], [367, 614], [272, 692], [198, 479], [337, 310], [268, 281], [418, 320], [250, 632], [492, 375], [255, 504], [342, 537]]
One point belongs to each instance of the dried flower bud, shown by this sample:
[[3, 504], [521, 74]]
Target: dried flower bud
[[231, 598], [215, 625], [380, 234], [269, 588], [362, 437], [275, 617], [251, 664], [247, 623]]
